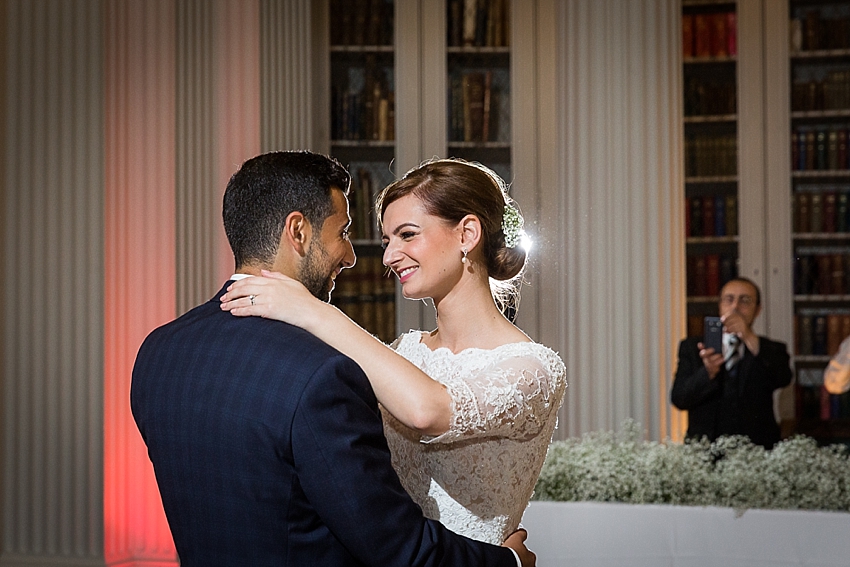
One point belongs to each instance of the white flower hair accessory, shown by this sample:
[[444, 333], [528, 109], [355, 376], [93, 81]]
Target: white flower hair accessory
[[512, 226]]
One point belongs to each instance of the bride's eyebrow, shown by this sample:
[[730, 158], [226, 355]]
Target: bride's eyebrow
[[402, 226]]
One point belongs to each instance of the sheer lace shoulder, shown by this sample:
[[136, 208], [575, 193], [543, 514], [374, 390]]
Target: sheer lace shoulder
[[508, 391], [478, 477]]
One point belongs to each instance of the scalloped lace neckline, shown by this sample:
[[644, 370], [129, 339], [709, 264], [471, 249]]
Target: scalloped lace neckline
[[416, 338]]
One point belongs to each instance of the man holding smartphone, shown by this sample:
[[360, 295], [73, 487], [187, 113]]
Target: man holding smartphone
[[729, 391]]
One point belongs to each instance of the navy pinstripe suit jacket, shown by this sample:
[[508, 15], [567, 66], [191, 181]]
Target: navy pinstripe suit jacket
[[268, 449]]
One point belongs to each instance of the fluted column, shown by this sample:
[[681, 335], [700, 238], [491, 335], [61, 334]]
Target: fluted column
[[293, 56], [620, 212], [237, 118], [53, 272], [218, 126], [140, 288], [195, 151]]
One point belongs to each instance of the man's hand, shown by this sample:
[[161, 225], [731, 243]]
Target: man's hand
[[516, 541], [734, 322], [711, 360]]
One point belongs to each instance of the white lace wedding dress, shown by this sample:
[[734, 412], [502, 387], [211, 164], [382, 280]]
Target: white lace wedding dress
[[477, 478]]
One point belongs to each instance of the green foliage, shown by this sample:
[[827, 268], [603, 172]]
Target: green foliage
[[731, 472]]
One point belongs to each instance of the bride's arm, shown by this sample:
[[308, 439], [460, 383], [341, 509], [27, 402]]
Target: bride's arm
[[403, 389]]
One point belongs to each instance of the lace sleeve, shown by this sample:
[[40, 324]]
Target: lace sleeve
[[513, 397]]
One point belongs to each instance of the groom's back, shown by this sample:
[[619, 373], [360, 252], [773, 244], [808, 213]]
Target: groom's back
[[215, 397]]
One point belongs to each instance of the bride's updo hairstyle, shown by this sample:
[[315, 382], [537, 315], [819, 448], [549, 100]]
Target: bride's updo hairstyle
[[453, 188]]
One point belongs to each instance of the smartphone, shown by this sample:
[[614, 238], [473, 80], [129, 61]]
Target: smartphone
[[713, 334]]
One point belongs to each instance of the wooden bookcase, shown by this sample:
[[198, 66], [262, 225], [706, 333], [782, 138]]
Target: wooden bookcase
[[406, 84], [479, 79], [710, 79], [819, 62], [362, 127]]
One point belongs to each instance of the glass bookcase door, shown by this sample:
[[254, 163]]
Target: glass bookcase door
[[709, 43], [362, 114], [819, 46]]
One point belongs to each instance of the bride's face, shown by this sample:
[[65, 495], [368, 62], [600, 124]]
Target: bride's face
[[422, 250]]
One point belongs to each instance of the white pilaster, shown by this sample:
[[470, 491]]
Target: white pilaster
[[289, 57], [139, 242], [52, 326], [619, 215]]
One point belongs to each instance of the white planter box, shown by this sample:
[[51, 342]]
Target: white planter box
[[585, 534]]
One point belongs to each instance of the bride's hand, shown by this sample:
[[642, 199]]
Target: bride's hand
[[273, 296]]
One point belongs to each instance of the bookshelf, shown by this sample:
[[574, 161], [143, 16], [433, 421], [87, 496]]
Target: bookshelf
[[710, 78], [478, 68], [407, 85], [819, 62], [362, 131]]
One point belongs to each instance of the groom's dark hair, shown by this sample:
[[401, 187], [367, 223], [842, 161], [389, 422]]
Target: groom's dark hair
[[266, 189]]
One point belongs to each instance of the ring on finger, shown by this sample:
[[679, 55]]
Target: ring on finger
[[251, 297]]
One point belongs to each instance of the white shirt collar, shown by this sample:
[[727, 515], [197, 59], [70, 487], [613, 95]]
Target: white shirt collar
[[236, 277]]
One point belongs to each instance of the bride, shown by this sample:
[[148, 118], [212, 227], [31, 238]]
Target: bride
[[471, 406]]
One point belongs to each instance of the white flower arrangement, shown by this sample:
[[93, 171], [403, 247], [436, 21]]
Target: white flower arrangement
[[730, 472]]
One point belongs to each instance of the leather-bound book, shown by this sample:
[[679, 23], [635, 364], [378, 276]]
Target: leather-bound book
[[718, 40], [816, 213], [829, 211], [687, 36], [731, 215], [708, 216]]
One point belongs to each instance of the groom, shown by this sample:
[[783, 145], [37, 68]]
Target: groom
[[267, 444]]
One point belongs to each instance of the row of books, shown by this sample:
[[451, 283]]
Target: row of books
[[473, 100], [832, 93], [362, 22], [366, 295], [711, 215], [820, 331], [711, 155], [706, 98], [821, 208], [815, 403], [820, 149], [707, 273], [709, 35], [811, 31], [368, 114], [361, 208], [479, 23], [822, 270]]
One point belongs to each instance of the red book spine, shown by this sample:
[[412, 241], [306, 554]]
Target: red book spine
[[702, 35], [687, 36], [719, 43], [731, 34]]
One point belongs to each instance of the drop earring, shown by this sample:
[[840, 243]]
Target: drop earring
[[464, 260]]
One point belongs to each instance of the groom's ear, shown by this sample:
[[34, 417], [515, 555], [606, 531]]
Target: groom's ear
[[297, 232]]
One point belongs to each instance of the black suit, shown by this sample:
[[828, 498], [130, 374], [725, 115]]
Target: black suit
[[268, 449], [739, 402]]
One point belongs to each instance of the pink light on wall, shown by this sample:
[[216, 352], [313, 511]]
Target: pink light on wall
[[141, 238], [238, 103], [139, 260]]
